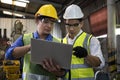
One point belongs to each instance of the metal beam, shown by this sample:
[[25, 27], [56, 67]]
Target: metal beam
[[46, 2], [63, 8]]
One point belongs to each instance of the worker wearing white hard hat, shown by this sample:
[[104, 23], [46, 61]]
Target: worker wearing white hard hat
[[86, 48]]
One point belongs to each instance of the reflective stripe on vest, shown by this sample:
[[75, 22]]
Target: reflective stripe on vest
[[86, 44], [31, 76], [31, 69], [79, 68], [81, 78]]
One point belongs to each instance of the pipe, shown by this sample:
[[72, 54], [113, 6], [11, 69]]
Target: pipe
[[112, 67]]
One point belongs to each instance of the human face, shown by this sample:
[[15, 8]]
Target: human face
[[45, 26], [73, 26]]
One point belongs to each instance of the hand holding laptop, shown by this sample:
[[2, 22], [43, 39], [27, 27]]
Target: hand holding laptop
[[50, 65]]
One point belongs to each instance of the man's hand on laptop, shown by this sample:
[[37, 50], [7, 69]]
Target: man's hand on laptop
[[52, 67]]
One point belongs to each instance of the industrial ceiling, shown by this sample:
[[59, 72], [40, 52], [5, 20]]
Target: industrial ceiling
[[34, 5]]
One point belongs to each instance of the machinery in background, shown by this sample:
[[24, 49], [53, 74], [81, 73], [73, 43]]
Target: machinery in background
[[18, 30], [103, 42], [3, 46], [2, 73], [10, 70], [3, 43]]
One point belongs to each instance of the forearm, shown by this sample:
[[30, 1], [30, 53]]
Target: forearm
[[20, 51], [93, 60]]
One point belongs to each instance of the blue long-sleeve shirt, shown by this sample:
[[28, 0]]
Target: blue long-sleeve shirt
[[19, 42]]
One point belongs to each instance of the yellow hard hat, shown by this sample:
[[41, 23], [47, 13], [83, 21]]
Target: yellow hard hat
[[47, 10]]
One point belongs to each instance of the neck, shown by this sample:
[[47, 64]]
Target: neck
[[43, 36], [71, 36]]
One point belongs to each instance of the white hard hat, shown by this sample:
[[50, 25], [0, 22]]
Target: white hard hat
[[73, 12]]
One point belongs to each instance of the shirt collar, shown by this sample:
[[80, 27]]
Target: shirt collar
[[76, 35], [71, 41], [48, 38]]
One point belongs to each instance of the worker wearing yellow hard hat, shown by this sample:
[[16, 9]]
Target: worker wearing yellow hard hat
[[48, 70]]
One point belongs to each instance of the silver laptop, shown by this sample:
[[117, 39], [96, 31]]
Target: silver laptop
[[60, 53]]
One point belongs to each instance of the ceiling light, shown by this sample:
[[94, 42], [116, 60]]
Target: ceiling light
[[7, 1], [7, 12], [25, 1], [12, 13], [59, 21], [21, 3], [19, 15]]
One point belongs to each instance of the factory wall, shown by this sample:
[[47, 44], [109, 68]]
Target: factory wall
[[28, 26]]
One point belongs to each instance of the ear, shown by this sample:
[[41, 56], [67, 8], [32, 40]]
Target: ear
[[37, 21], [81, 23]]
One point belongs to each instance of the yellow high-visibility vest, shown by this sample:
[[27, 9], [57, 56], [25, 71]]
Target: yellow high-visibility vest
[[33, 71], [80, 70]]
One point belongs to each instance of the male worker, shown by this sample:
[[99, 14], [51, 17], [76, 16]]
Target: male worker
[[48, 70], [86, 48]]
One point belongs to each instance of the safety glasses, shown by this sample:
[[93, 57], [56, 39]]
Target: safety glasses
[[48, 20]]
